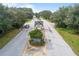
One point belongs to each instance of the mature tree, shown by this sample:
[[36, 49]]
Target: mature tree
[[13, 18], [37, 15], [67, 17], [45, 14]]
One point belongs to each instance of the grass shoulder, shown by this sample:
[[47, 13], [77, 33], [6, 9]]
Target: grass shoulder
[[71, 38], [7, 37]]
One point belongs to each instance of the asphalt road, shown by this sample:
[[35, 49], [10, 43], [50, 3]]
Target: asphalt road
[[17, 44], [56, 46], [14, 47]]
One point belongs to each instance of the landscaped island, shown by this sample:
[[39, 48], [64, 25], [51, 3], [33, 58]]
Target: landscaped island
[[36, 38]]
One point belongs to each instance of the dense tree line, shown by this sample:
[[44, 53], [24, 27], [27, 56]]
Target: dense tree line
[[44, 14], [37, 15], [12, 18], [67, 17]]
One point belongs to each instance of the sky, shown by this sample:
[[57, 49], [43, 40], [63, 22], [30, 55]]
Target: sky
[[37, 7]]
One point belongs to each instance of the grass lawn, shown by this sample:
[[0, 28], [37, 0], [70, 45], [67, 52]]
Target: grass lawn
[[7, 37], [71, 38]]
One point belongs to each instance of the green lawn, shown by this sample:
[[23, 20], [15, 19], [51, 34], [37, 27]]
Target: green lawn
[[71, 38], [7, 37]]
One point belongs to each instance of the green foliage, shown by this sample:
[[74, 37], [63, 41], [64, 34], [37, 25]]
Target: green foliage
[[45, 14], [36, 38], [36, 34], [37, 15], [70, 38], [12, 18], [67, 17], [7, 37]]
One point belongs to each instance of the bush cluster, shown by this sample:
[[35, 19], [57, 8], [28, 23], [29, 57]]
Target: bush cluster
[[36, 38]]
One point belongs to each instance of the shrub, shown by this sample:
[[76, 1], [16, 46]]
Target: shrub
[[16, 25], [36, 34], [36, 38]]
